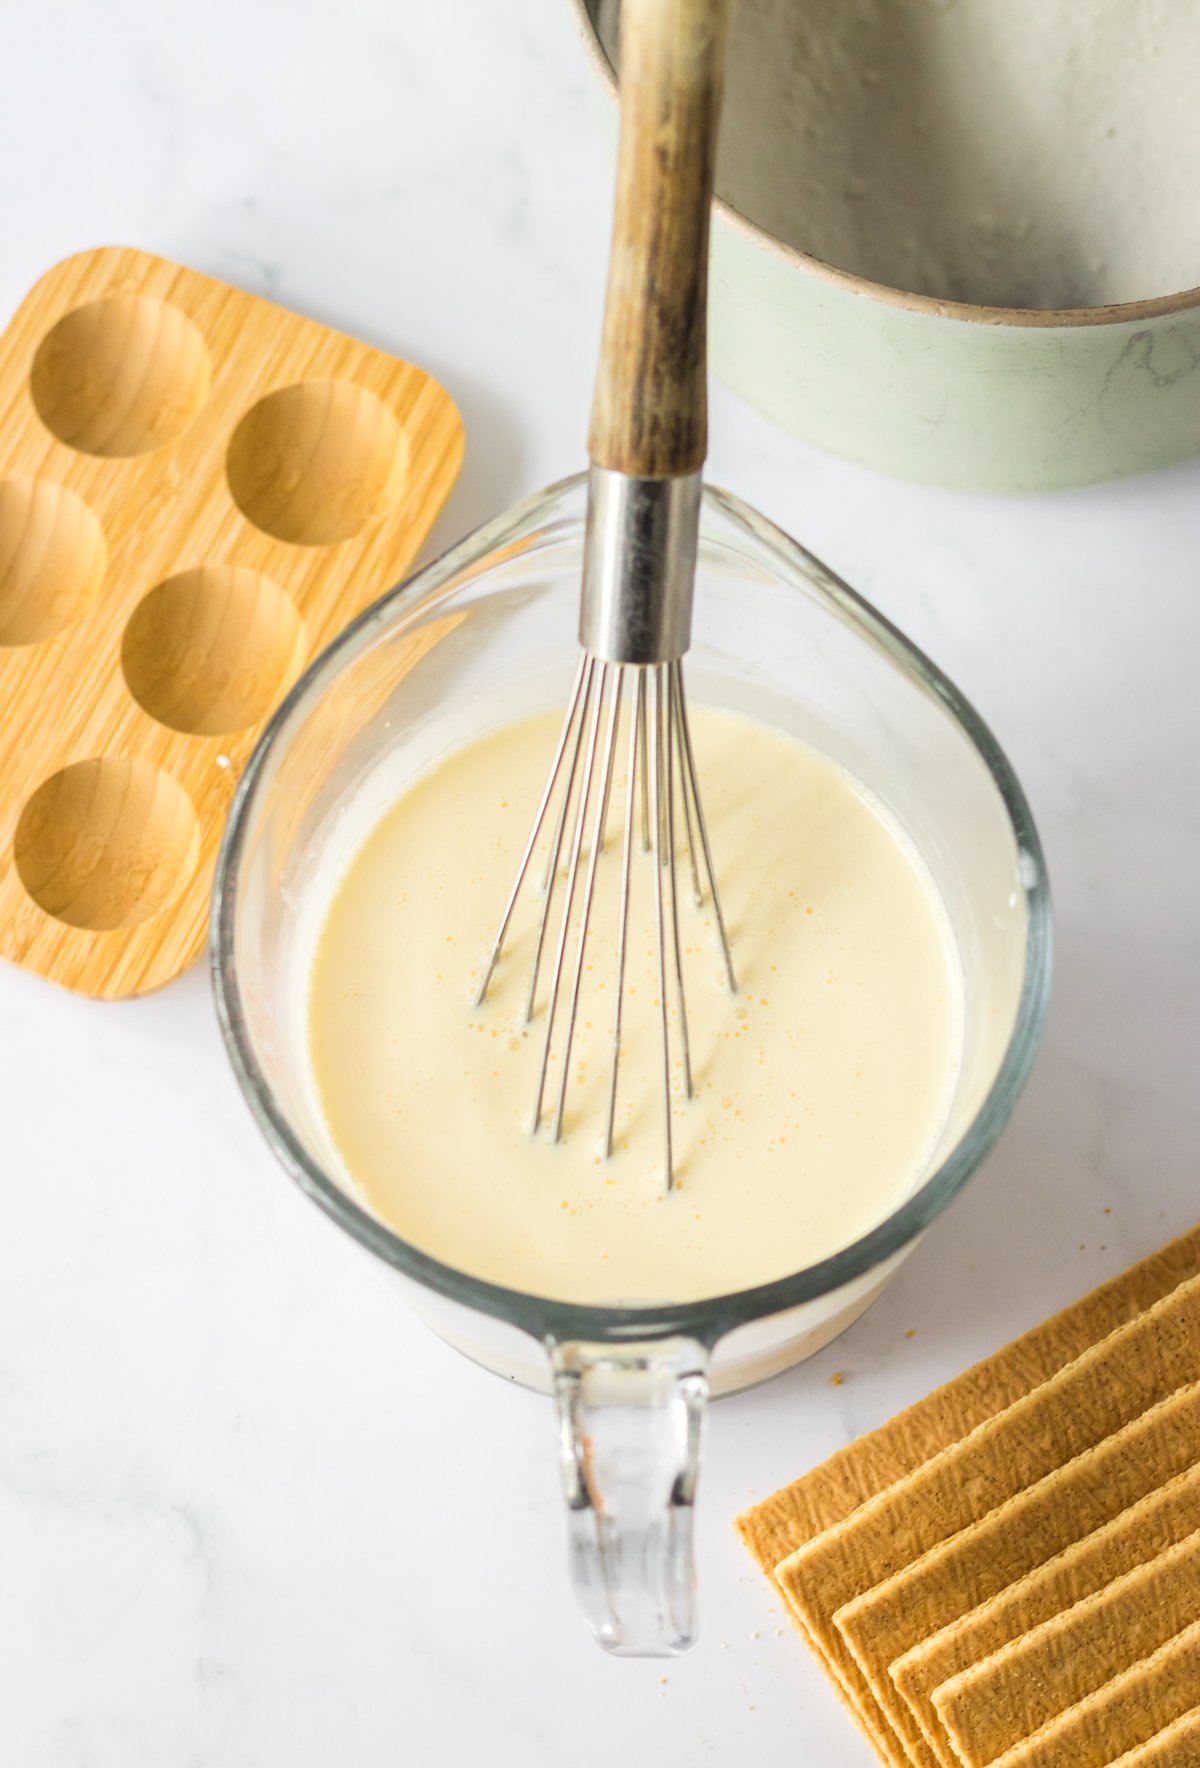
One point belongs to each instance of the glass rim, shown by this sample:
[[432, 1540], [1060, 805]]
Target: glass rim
[[709, 1319]]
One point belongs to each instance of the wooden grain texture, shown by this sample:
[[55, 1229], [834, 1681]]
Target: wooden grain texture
[[198, 489], [649, 415]]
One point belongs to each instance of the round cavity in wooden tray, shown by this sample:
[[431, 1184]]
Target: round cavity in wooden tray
[[316, 462], [52, 559], [120, 376], [211, 650], [106, 843]]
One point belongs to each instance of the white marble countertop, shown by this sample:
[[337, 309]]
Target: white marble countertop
[[250, 1512]]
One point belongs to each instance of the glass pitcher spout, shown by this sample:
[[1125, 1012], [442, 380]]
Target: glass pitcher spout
[[631, 1424]]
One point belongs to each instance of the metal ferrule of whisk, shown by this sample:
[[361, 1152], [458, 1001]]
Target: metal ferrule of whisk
[[639, 567], [635, 623]]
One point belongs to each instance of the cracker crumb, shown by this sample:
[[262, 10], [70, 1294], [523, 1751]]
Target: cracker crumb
[[837, 1378], [911, 1333]]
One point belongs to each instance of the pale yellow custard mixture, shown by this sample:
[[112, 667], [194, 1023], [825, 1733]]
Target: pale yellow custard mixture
[[821, 1085]]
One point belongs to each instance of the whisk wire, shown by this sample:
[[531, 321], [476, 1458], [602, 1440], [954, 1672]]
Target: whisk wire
[[564, 737], [667, 686], [564, 929], [690, 767], [602, 825], [551, 878], [636, 726], [589, 886], [642, 725], [661, 767], [660, 944], [685, 788]]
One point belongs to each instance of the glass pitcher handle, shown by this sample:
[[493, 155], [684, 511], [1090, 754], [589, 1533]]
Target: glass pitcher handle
[[631, 1421]]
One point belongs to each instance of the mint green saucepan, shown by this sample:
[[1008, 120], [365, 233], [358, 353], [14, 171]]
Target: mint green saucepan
[[999, 398]]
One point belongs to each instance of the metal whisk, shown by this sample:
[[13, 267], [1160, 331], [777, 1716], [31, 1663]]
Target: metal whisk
[[647, 442], [659, 755]]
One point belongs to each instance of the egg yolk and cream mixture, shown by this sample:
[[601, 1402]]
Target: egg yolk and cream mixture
[[821, 1085]]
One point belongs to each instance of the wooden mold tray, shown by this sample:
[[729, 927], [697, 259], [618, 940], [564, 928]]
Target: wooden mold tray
[[198, 489]]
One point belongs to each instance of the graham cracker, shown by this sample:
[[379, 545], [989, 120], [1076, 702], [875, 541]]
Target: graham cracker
[[1137, 1534], [1175, 1746], [1029, 1529], [1131, 1710], [1140, 1363], [829, 1493], [994, 1705], [780, 1524]]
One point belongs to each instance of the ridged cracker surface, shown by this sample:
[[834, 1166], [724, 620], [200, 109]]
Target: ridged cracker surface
[[994, 1705], [1175, 1746], [1110, 1384], [1129, 1711], [829, 1493], [826, 1495], [1147, 1528]]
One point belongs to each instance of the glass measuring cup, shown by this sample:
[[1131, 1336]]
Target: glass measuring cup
[[487, 634]]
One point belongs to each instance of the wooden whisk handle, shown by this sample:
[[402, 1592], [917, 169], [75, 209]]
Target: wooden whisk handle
[[650, 411]]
